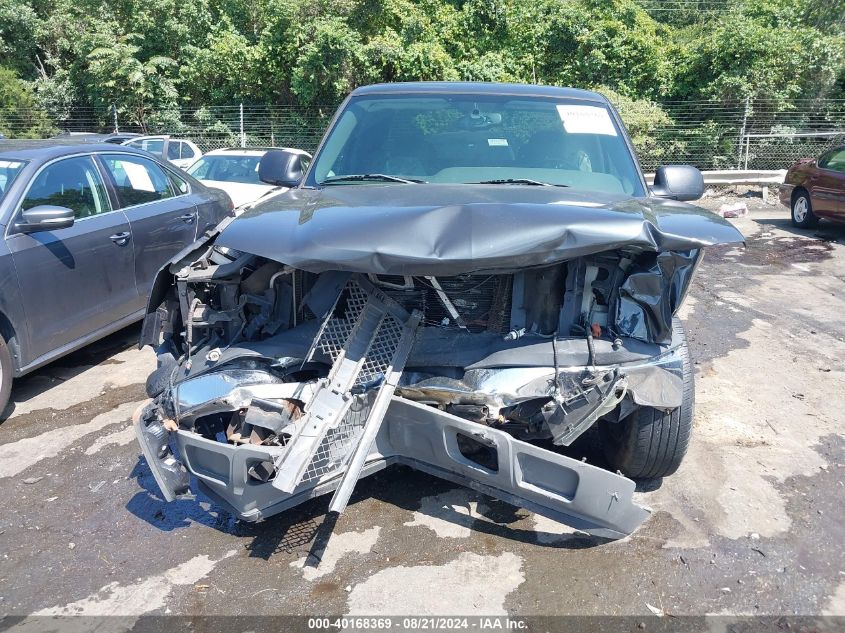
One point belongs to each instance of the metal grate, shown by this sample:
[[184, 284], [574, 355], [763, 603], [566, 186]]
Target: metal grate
[[338, 328], [336, 443], [361, 336], [381, 351]]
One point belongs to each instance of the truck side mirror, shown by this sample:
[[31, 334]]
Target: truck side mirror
[[678, 182], [281, 168]]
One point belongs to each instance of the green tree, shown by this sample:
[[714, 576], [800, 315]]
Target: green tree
[[591, 42], [330, 63], [761, 51], [137, 87], [20, 115], [18, 25], [649, 126], [225, 70], [150, 56]]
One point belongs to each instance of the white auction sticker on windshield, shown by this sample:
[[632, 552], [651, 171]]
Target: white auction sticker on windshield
[[581, 119]]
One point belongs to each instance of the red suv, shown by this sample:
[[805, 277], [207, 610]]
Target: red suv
[[815, 188]]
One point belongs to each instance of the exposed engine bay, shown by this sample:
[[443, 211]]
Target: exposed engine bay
[[250, 351]]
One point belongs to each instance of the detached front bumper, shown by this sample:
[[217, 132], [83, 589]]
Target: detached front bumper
[[588, 498]]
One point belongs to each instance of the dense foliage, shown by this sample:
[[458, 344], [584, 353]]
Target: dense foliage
[[149, 57]]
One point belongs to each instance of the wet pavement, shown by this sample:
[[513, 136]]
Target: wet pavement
[[751, 524]]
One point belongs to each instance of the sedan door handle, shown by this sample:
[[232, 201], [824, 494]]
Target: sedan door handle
[[121, 239], [188, 218]]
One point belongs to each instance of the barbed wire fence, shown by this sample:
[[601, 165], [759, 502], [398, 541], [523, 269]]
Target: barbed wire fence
[[756, 135]]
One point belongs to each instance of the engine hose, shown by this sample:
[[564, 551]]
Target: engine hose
[[592, 348]]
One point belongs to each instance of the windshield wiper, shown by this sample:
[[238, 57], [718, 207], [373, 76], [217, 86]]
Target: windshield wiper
[[517, 181], [370, 177]]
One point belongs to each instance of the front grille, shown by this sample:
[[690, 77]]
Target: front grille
[[483, 302]]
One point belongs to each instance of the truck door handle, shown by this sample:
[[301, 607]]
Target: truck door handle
[[188, 218], [121, 239]]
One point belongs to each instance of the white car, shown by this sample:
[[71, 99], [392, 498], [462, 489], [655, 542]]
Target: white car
[[179, 152], [235, 171]]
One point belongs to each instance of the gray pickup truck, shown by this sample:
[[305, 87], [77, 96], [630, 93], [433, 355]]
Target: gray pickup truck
[[468, 277]]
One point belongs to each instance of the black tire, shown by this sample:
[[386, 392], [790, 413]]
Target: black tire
[[5, 375], [651, 443], [802, 210]]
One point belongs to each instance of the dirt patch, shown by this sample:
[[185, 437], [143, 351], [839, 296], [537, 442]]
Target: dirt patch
[[768, 249], [765, 249]]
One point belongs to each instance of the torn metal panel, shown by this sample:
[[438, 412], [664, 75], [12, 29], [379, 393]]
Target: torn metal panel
[[242, 475], [578, 403], [652, 292], [651, 382], [221, 391], [575, 493]]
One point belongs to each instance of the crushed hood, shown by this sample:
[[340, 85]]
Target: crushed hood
[[432, 229]]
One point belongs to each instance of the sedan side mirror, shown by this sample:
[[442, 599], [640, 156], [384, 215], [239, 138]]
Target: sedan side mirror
[[678, 182], [45, 217], [281, 168]]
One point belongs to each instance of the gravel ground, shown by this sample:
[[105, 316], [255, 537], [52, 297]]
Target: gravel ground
[[751, 524]]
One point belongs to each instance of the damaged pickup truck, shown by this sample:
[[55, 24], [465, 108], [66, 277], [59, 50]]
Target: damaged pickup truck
[[468, 277]]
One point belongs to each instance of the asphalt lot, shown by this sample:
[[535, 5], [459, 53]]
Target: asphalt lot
[[752, 524]]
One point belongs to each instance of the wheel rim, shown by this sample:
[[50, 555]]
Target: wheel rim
[[800, 209]]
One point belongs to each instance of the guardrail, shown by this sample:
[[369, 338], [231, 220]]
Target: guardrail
[[738, 177]]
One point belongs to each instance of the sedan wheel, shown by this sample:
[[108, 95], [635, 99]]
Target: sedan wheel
[[802, 211], [5, 375]]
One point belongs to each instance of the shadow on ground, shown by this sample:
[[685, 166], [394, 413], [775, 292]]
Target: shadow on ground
[[310, 524], [826, 231], [45, 378]]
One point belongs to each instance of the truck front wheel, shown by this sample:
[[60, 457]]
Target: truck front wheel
[[651, 443]]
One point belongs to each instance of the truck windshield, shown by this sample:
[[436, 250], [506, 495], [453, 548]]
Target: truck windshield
[[470, 138]]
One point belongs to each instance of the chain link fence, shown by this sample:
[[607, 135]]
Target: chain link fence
[[708, 134], [215, 127], [752, 135]]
